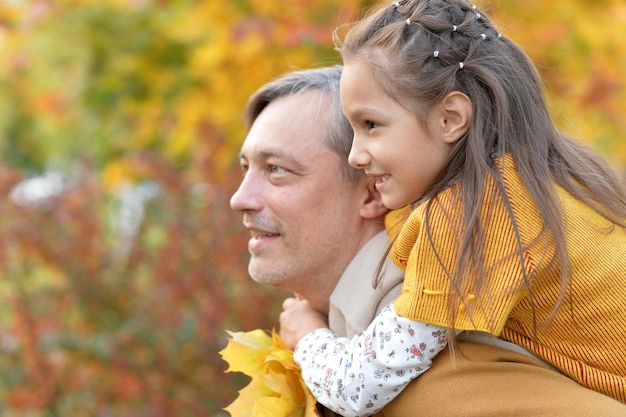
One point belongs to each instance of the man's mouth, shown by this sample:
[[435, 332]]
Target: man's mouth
[[260, 235], [260, 240]]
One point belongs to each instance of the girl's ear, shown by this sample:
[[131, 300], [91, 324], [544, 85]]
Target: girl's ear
[[455, 115]]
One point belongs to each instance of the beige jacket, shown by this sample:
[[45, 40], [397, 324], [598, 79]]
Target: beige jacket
[[354, 303]]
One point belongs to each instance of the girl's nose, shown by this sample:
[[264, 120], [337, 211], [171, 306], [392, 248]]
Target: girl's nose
[[357, 157]]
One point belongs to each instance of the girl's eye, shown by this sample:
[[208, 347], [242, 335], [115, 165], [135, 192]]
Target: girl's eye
[[370, 124]]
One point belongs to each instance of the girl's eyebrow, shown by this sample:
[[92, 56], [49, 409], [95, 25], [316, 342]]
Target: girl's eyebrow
[[365, 112]]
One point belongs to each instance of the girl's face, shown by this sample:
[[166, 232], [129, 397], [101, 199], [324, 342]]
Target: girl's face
[[403, 155]]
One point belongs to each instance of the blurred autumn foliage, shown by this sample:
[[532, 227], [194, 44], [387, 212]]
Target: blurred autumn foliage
[[117, 282]]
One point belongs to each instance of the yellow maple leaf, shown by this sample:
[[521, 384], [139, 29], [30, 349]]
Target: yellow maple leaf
[[276, 388]]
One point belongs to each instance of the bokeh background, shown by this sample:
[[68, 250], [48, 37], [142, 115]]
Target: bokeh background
[[121, 265]]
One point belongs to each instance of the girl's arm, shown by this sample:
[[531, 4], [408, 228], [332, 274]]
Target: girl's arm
[[359, 376]]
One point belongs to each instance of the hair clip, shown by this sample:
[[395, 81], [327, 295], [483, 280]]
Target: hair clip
[[461, 65], [436, 54], [499, 35], [454, 27], [473, 7], [478, 16], [482, 35], [397, 4], [408, 21]]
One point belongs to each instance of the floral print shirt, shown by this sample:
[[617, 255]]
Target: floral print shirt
[[359, 376]]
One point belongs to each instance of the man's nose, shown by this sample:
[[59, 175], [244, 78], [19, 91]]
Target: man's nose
[[248, 196]]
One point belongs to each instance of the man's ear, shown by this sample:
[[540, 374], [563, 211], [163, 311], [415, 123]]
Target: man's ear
[[455, 116], [372, 206]]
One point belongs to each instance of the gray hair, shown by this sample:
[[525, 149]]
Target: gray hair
[[339, 133]]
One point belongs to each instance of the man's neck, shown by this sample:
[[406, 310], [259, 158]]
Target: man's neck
[[318, 294]]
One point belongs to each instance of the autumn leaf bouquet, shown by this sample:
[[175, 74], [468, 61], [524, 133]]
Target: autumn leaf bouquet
[[277, 388]]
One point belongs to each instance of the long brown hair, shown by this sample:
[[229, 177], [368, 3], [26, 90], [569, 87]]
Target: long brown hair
[[421, 50]]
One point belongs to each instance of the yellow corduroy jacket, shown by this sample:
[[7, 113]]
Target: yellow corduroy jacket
[[586, 337]]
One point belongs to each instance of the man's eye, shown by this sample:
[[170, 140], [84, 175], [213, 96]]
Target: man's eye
[[244, 168], [370, 124], [275, 169]]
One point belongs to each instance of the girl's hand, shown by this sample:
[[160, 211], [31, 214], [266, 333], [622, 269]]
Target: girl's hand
[[299, 319]]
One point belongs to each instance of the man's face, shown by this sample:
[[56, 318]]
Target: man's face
[[302, 213]]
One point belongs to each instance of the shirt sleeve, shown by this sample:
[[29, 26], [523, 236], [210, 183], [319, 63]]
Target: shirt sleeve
[[359, 376]]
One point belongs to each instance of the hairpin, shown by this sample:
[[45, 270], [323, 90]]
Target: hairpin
[[461, 65], [436, 54]]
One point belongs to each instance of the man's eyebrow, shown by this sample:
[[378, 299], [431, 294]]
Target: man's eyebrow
[[293, 163]]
